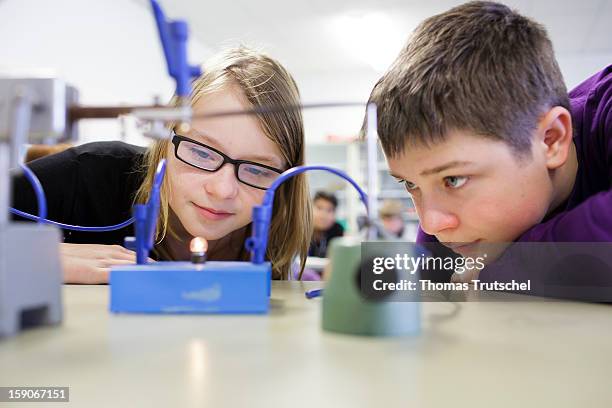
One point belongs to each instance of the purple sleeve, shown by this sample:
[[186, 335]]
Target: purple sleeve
[[591, 221]]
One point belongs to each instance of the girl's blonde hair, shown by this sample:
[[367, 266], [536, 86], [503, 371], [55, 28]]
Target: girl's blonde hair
[[264, 82]]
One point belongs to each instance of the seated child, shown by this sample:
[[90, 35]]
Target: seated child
[[218, 170], [325, 226], [476, 122]]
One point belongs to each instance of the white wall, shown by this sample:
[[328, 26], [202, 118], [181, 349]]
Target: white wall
[[108, 49], [331, 87], [356, 86], [578, 67]]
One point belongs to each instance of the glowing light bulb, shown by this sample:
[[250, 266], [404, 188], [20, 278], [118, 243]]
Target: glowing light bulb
[[198, 247]]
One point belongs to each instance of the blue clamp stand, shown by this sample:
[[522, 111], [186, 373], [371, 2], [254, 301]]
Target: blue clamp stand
[[173, 36], [145, 219]]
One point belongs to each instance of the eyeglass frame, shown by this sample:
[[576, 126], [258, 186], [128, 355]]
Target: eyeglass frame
[[177, 139]]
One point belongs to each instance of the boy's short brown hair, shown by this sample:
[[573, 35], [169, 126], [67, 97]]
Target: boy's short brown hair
[[479, 67]]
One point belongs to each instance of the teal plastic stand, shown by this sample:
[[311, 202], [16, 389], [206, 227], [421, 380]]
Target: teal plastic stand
[[346, 310]]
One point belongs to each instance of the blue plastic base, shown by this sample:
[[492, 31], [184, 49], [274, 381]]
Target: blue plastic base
[[183, 287]]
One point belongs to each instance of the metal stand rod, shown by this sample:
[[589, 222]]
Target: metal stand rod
[[78, 112], [10, 151], [371, 138], [5, 185], [20, 127]]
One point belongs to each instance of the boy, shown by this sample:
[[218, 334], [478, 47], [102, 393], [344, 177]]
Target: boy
[[475, 120], [324, 222]]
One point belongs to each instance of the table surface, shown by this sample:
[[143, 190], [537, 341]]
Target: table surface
[[491, 354]]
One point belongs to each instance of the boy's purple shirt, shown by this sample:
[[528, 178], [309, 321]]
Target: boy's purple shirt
[[587, 214]]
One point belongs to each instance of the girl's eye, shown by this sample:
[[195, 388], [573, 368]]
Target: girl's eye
[[255, 171], [202, 154], [455, 181]]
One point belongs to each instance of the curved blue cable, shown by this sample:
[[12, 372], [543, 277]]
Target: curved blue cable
[[294, 171], [73, 227], [262, 214], [38, 190], [42, 209], [43, 204]]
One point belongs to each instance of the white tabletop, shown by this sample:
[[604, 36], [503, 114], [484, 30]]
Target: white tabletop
[[512, 354]]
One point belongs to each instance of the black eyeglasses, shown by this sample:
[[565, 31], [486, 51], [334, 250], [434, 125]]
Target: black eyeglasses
[[206, 158]]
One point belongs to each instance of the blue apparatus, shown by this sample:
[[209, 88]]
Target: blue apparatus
[[182, 287], [173, 36], [211, 287], [185, 287]]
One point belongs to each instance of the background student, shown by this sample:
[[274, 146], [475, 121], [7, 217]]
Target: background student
[[325, 225]]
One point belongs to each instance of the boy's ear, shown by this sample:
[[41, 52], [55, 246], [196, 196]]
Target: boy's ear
[[555, 136]]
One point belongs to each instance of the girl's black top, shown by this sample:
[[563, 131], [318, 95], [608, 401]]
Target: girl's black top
[[89, 185]]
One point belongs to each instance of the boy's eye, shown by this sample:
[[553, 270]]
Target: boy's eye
[[455, 181], [409, 185]]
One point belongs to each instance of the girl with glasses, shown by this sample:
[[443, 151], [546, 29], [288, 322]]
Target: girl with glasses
[[217, 169]]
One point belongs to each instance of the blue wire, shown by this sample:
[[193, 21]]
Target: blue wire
[[42, 204], [38, 190], [42, 209], [258, 242], [73, 227], [294, 171]]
